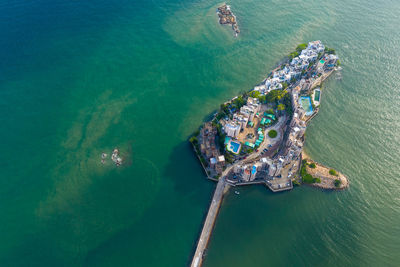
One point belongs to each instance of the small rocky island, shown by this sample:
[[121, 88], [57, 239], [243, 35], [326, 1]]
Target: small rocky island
[[227, 17], [258, 137]]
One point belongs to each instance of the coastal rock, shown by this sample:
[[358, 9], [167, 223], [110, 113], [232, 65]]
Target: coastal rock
[[227, 17]]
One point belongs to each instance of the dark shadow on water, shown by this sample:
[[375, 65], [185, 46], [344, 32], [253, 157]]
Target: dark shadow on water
[[191, 172], [185, 170]]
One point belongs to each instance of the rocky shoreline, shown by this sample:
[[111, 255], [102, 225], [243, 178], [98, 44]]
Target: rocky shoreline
[[227, 17], [322, 172]]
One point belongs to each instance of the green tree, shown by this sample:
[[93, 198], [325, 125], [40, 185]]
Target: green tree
[[262, 98], [316, 180], [272, 133], [281, 107], [332, 172], [287, 100], [255, 94], [276, 95], [239, 102], [293, 55], [193, 140], [312, 165], [225, 108], [330, 50], [301, 47], [337, 183], [308, 179]]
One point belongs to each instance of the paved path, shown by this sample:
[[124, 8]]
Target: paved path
[[209, 223]]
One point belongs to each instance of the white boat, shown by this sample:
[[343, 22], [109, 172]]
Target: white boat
[[237, 192]]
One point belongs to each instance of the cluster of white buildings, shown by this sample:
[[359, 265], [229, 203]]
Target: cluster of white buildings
[[294, 69], [294, 142], [242, 117]]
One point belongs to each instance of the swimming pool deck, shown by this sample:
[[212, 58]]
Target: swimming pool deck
[[235, 147], [316, 96]]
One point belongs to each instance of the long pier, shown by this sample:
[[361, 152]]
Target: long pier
[[209, 223]]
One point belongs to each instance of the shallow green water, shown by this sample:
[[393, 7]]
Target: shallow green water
[[80, 78]]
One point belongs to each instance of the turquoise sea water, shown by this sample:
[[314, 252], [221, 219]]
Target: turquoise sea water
[[78, 78]]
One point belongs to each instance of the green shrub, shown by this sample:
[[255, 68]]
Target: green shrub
[[301, 47], [272, 133], [332, 172], [308, 179], [312, 165], [293, 55], [281, 107], [193, 140], [337, 183], [255, 94], [330, 50], [316, 180]]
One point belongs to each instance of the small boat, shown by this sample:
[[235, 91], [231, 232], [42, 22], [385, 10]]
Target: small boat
[[237, 192]]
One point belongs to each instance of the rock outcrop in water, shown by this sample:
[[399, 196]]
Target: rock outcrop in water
[[227, 17]]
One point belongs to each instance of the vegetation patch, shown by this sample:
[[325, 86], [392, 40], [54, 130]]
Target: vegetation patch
[[308, 179], [330, 50], [272, 133], [295, 182], [337, 183], [305, 176], [298, 50], [301, 47], [316, 180], [312, 165], [332, 172]]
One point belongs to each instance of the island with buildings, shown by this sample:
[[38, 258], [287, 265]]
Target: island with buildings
[[258, 137], [227, 17]]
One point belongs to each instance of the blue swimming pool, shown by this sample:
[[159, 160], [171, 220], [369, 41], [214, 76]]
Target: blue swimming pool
[[234, 147], [305, 102]]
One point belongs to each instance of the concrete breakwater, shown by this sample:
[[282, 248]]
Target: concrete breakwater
[[208, 226]]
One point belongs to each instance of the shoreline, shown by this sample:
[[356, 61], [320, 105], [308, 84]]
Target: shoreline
[[327, 180]]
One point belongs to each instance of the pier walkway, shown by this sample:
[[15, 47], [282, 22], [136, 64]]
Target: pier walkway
[[209, 223]]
